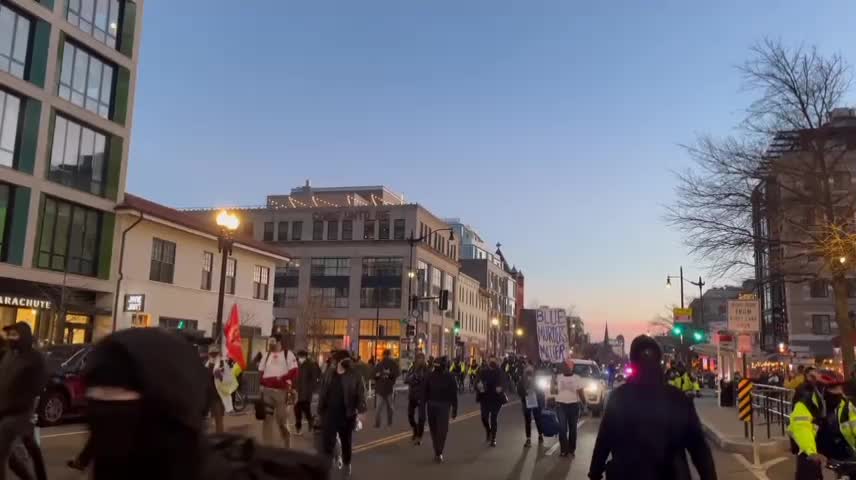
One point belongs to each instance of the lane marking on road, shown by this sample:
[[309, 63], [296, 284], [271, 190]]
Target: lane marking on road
[[401, 436], [556, 446], [64, 434], [760, 472]]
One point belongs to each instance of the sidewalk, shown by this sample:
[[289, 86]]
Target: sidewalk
[[723, 428]]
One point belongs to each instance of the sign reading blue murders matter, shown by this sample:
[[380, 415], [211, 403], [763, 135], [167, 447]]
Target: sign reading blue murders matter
[[552, 325]]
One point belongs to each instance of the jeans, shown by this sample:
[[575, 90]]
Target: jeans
[[438, 422], [342, 429], [528, 414], [383, 402], [303, 409], [568, 414], [490, 418], [416, 416], [278, 400]]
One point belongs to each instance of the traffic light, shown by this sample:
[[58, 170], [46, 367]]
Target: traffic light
[[457, 329], [444, 300], [181, 325], [698, 336], [678, 330], [411, 330]]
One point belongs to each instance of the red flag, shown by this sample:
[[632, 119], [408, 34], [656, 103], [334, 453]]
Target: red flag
[[233, 338]]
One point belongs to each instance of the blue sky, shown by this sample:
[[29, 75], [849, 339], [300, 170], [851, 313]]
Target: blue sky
[[551, 126]]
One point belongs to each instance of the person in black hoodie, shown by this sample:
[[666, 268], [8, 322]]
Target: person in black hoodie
[[491, 397], [415, 380], [532, 400], [649, 426], [307, 383], [142, 426], [341, 400], [22, 378], [441, 396]]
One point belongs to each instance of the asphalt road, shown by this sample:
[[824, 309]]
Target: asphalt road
[[380, 452]]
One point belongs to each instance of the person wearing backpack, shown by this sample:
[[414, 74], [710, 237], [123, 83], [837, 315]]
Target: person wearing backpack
[[415, 380], [279, 371], [341, 401]]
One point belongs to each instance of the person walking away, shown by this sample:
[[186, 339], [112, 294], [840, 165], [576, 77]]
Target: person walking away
[[22, 378], [836, 434], [491, 397], [279, 371], [532, 401], [415, 380], [567, 395], [808, 413], [341, 400], [307, 383], [649, 427], [385, 374], [441, 396], [224, 382]]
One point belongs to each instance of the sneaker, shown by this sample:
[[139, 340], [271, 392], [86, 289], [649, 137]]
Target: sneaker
[[439, 459], [493, 443], [298, 432], [528, 443], [340, 463], [563, 454]]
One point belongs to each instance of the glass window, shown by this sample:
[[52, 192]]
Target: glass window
[[331, 267], [290, 296], [89, 83], [163, 261], [14, 40], [383, 229], [268, 232], [5, 204], [10, 115], [389, 297], [398, 229], [369, 230], [282, 232], [819, 288], [347, 229], [318, 230], [296, 230], [207, 269], [99, 18], [820, 324], [332, 230], [382, 266], [261, 280], [333, 297], [231, 272], [334, 327], [69, 237], [384, 328], [77, 156]]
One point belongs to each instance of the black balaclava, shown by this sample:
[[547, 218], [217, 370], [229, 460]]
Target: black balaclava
[[159, 434], [645, 356], [24, 342]]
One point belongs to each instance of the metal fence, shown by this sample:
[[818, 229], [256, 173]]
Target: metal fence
[[771, 407]]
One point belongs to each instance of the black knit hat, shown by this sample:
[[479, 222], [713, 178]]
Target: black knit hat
[[645, 349]]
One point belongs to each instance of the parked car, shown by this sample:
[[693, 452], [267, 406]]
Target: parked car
[[64, 394]]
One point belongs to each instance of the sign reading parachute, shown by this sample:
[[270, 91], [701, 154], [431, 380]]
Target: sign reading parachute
[[552, 328]]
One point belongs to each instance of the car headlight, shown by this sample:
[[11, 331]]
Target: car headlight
[[542, 383], [592, 387]]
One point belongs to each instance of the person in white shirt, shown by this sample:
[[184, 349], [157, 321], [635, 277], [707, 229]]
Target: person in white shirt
[[279, 369], [567, 393]]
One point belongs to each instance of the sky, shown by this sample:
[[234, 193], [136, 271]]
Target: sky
[[551, 126]]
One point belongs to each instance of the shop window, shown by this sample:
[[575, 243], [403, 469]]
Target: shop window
[[366, 347]]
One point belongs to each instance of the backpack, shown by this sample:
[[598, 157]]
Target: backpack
[[234, 457], [549, 423]]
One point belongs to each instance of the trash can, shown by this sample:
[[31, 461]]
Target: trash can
[[726, 393]]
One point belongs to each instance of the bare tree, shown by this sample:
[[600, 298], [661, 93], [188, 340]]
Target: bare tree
[[311, 315], [779, 188]]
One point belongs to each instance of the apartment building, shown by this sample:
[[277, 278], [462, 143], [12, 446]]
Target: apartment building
[[793, 278], [67, 83], [354, 268], [472, 315], [170, 266]]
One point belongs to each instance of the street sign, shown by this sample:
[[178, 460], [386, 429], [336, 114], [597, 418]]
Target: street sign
[[744, 344], [744, 401], [683, 315], [415, 314], [744, 316]]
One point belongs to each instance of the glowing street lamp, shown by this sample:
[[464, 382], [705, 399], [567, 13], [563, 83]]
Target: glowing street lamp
[[519, 332], [228, 223]]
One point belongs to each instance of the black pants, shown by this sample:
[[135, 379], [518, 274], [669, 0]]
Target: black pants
[[438, 422], [530, 414], [807, 469], [568, 414], [345, 430], [19, 427], [301, 409], [416, 416], [490, 418]]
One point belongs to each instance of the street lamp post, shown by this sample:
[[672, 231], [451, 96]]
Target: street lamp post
[[411, 274], [494, 327], [228, 223], [518, 336], [700, 284]]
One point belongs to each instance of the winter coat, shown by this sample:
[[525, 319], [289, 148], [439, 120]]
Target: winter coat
[[491, 390], [385, 374], [415, 379], [354, 390], [22, 375], [441, 387], [307, 380]]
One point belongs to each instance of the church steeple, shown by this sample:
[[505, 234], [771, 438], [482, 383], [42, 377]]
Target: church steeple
[[606, 334]]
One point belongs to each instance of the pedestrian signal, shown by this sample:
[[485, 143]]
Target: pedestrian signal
[[444, 300], [457, 329]]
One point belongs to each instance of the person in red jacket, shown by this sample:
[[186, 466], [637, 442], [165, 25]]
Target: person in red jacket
[[279, 372]]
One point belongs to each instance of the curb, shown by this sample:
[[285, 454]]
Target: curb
[[743, 446]]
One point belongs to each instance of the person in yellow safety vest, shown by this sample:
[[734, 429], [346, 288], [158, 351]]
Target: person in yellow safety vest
[[798, 380], [808, 414]]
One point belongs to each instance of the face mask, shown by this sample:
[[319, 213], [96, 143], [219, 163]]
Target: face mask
[[346, 363], [113, 425], [301, 360]]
